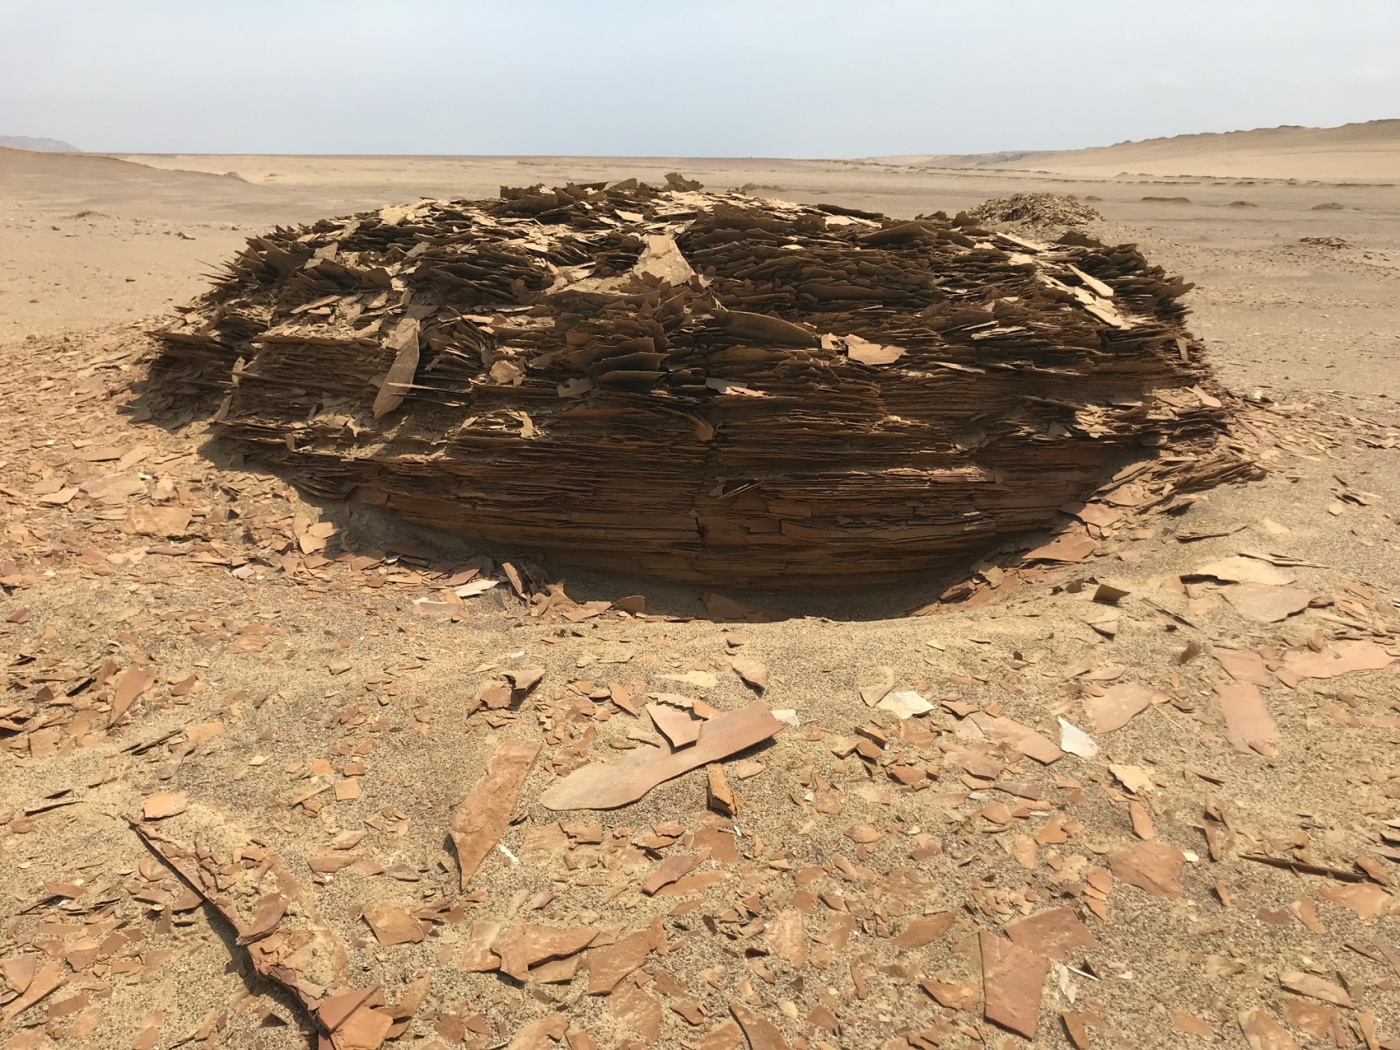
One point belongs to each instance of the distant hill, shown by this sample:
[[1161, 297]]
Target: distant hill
[[1367, 152], [37, 145]]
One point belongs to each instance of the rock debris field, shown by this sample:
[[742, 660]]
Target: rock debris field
[[284, 770]]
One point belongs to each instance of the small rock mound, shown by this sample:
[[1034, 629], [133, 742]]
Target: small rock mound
[[1038, 209]]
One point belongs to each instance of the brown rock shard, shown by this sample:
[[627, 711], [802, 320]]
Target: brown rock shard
[[165, 804], [788, 937], [637, 1010], [924, 930], [761, 1033], [1012, 981], [608, 965], [1366, 899], [721, 796], [751, 671], [165, 522], [1262, 1032], [726, 1036], [1247, 666], [522, 946], [1150, 866], [41, 984], [537, 1035], [365, 1029], [392, 924], [1053, 934], [1316, 987], [1340, 658], [133, 683], [478, 822], [1265, 604], [1247, 722], [607, 786], [669, 870], [1118, 705], [479, 958], [954, 996]]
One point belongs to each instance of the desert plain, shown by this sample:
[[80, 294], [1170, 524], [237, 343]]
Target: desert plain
[[1215, 862]]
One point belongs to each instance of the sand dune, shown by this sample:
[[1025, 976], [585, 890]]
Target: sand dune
[[1366, 153]]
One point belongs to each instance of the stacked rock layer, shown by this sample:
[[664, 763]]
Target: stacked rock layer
[[704, 387]]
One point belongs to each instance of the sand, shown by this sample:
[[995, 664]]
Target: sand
[[296, 661]]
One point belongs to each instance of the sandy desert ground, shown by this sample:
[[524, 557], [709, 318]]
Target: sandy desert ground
[[271, 686]]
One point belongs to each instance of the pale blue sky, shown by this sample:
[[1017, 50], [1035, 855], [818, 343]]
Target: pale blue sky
[[609, 77]]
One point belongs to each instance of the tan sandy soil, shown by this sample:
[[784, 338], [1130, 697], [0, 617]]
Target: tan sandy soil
[[280, 669]]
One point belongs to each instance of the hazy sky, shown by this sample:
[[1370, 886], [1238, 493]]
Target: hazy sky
[[816, 78]]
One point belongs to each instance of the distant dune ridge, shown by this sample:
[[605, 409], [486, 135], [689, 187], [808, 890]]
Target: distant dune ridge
[[37, 145], [1368, 152]]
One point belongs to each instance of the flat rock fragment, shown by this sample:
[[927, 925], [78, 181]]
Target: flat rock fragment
[[1263, 603], [678, 726], [607, 786], [392, 924], [540, 1034], [1248, 724], [637, 1010], [478, 822], [1012, 981], [165, 804], [1262, 1032], [1343, 657], [1316, 987], [924, 930], [954, 996], [751, 671], [787, 937], [761, 1033], [1246, 570], [610, 964], [1053, 934], [1150, 866], [1244, 666], [1368, 900], [1118, 705]]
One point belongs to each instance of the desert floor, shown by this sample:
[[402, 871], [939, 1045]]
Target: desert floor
[[314, 728]]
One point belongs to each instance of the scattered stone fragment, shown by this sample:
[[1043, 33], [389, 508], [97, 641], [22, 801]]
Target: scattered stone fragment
[[924, 930], [1012, 981], [1368, 900], [1150, 866], [1262, 1032], [610, 964], [537, 1035], [1266, 604], [165, 804], [1075, 741], [1344, 657], [392, 924], [962, 996], [1247, 722], [1246, 570], [721, 796], [1244, 666], [751, 671], [761, 1033], [1316, 987], [478, 822], [1052, 934], [603, 786], [1118, 705]]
